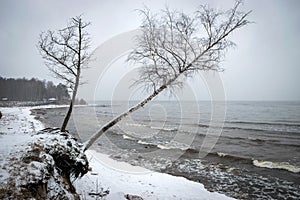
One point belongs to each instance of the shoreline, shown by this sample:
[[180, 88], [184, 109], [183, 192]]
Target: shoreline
[[222, 174], [146, 184], [122, 178]]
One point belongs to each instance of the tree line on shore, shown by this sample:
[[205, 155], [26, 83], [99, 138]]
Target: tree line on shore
[[31, 90]]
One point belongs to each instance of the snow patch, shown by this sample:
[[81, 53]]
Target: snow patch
[[147, 184]]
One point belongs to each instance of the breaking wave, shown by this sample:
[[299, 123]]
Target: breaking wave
[[153, 127], [288, 123], [164, 146], [164, 129], [260, 126], [277, 165], [183, 147], [126, 137]]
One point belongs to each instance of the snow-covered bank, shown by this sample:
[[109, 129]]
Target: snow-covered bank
[[121, 178], [39, 166], [33, 162], [16, 122], [18, 119]]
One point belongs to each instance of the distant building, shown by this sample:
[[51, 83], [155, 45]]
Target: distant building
[[4, 99], [52, 100]]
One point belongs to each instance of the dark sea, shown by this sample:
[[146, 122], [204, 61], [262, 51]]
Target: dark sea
[[246, 150]]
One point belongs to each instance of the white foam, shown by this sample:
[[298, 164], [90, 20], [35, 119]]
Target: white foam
[[133, 124], [164, 147], [147, 143], [164, 129], [222, 154], [126, 137], [168, 146], [276, 165]]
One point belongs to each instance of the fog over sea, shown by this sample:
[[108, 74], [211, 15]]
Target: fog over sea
[[257, 154]]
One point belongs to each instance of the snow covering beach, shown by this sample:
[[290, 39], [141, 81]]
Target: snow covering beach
[[106, 174]]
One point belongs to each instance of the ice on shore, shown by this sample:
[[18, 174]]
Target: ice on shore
[[16, 128]]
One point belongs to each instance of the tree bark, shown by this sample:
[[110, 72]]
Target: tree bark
[[68, 115], [111, 123]]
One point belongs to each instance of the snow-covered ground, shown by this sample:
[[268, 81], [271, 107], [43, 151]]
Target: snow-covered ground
[[119, 178], [18, 120]]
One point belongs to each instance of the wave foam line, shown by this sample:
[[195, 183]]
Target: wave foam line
[[276, 165], [220, 154], [160, 146], [146, 143], [164, 129], [138, 124], [126, 137]]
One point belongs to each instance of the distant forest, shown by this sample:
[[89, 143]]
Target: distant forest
[[31, 90]]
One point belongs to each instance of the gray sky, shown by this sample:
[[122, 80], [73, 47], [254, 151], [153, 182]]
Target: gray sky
[[264, 66]]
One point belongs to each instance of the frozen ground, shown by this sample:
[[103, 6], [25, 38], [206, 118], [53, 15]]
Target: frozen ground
[[17, 127], [122, 178]]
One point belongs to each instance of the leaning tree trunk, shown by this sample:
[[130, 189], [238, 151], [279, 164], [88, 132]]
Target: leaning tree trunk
[[111, 123]]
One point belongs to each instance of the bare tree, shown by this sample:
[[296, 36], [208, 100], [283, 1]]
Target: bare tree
[[66, 53], [172, 49]]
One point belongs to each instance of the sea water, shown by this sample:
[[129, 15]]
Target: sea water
[[252, 152]]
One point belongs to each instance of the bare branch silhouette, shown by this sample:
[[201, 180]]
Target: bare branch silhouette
[[174, 46], [66, 53]]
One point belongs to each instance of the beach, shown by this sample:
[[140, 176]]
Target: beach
[[18, 126], [254, 157]]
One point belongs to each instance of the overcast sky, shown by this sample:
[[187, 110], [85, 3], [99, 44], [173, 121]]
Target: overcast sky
[[264, 66]]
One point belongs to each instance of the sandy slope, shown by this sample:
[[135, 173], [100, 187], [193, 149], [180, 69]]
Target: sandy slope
[[118, 177]]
